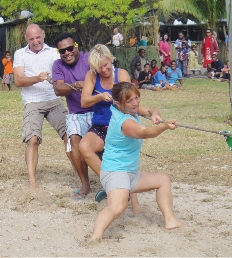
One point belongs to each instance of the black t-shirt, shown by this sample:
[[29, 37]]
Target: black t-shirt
[[218, 65], [145, 76]]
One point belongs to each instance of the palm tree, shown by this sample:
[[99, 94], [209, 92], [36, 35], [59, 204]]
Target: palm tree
[[209, 11]]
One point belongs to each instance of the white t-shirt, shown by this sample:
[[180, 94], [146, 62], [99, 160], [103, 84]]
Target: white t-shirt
[[33, 65], [116, 39]]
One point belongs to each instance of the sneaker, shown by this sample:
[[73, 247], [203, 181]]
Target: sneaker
[[101, 195]]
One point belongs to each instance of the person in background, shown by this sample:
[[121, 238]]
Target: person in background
[[225, 74], [164, 49], [32, 67], [135, 77], [208, 47], [174, 74], [209, 71], [139, 58], [160, 80], [154, 68], [108, 42], [217, 65], [182, 38], [215, 68], [145, 79], [142, 43], [133, 41], [120, 174], [117, 39], [178, 44], [8, 76], [193, 60], [183, 59], [116, 63]]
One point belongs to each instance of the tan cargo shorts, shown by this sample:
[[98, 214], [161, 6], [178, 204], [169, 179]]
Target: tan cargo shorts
[[34, 114]]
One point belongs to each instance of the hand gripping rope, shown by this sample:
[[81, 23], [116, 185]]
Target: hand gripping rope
[[226, 134]]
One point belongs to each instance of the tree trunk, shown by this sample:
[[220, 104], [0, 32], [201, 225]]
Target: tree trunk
[[156, 30], [91, 33]]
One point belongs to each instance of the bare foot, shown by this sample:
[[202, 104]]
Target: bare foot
[[174, 223], [94, 240], [157, 89], [138, 210], [33, 186], [175, 88]]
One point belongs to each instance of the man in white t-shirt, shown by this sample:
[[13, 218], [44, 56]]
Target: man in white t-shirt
[[32, 68], [117, 39]]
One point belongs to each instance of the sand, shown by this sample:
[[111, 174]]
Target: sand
[[49, 223]]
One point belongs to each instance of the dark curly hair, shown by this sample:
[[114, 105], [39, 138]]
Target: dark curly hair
[[64, 35]]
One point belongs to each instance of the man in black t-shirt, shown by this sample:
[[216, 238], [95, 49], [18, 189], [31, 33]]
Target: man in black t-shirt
[[216, 66]]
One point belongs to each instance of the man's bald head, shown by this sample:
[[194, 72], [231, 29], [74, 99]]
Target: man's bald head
[[35, 37]]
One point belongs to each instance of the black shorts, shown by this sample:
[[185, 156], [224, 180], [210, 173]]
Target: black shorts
[[99, 130], [226, 76]]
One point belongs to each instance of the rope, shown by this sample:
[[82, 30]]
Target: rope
[[224, 133]]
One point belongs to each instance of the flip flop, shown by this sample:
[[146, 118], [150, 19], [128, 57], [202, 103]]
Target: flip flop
[[101, 195], [79, 196], [77, 191]]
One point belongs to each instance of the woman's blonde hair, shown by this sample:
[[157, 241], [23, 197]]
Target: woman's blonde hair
[[97, 54]]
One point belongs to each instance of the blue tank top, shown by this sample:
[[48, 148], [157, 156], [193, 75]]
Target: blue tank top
[[101, 110]]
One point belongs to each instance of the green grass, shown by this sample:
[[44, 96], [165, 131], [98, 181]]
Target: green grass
[[186, 155]]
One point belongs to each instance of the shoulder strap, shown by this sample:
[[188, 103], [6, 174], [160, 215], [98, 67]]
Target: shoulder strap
[[116, 75]]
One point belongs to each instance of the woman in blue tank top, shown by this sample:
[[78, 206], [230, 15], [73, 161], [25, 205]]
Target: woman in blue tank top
[[97, 91]]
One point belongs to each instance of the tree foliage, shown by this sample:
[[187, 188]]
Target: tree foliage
[[60, 11], [209, 11], [88, 16], [111, 11]]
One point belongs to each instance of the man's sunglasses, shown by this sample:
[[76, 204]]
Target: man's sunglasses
[[63, 50]]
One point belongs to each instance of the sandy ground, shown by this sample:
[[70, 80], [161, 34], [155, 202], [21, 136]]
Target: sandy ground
[[49, 223]]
